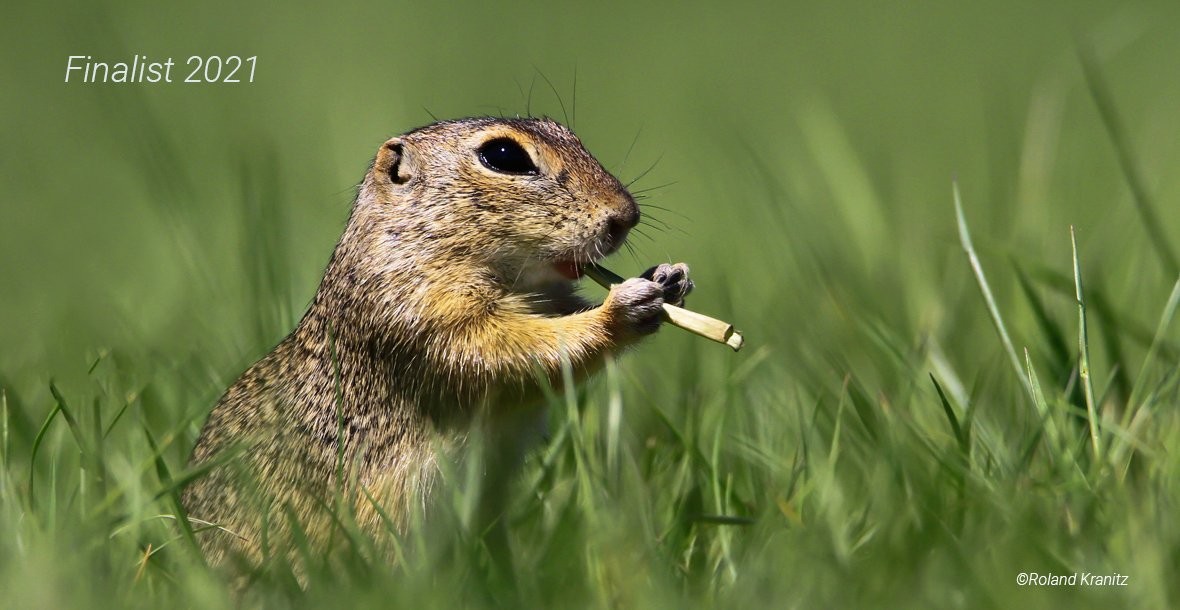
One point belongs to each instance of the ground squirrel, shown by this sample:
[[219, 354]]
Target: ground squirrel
[[448, 299]]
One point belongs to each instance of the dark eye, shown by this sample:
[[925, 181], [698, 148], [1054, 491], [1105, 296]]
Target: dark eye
[[505, 155]]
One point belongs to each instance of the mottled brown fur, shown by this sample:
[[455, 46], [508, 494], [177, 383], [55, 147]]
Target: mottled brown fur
[[439, 307]]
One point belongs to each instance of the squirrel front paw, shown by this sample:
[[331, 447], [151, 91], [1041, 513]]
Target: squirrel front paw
[[674, 279], [636, 305]]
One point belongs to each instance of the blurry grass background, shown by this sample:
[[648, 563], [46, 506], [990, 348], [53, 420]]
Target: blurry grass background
[[156, 239]]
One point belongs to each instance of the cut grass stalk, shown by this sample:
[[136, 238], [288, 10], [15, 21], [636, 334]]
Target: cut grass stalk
[[698, 324]]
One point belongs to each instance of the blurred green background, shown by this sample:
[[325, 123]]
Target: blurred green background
[[123, 204], [801, 156]]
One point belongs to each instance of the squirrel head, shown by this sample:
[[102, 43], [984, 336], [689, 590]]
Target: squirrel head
[[515, 196]]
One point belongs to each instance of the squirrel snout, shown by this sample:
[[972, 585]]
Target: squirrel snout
[[620, 223]]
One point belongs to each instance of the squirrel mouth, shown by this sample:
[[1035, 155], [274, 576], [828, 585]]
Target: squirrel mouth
[[574, 268], [570, 270]]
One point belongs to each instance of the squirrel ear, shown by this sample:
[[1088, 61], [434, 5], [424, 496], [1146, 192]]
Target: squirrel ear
[[390, 162]]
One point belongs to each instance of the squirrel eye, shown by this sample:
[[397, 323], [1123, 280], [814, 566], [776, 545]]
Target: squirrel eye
[[506, 156]]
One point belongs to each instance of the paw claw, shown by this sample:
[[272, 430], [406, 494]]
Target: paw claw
[[639, 301], [674, 279]]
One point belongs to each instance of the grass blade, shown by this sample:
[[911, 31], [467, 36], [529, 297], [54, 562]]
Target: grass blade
[[116, 418], [1057, 346], [1049, 424], [1105, 312], [1104, 101], [950, 416], [75, 429], [993, 310], [1153, 352], [1084, 350], [172, 490], [37, 445], [4, 433]]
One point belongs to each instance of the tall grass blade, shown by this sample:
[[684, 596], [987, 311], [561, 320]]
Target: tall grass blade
[[117, 417], [960, 437], [1084, 351], [172, 490], [37, 445], [4, 451], [1166, 318], [992, 308], [1048, 422], [1104, 101], [1105, 312], [1058, 347], [71, 421]]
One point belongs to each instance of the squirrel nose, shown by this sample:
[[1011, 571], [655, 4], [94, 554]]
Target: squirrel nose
[[620, 223]]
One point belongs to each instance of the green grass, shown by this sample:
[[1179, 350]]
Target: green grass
[[948, 234]]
